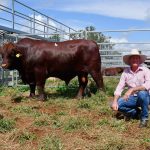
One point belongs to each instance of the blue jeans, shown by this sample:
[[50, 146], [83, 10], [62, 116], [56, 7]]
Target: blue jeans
[[131, 106]]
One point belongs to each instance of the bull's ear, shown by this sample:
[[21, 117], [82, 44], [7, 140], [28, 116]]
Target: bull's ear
[[17, 51]]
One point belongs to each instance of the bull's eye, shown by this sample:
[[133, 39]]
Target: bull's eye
[[11, 55]]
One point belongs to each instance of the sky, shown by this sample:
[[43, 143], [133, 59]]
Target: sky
[[102, 14]]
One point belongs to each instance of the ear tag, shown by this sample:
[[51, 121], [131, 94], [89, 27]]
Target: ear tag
[[18, 55]]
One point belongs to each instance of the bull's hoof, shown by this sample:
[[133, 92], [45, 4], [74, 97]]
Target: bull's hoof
[[41, 98], [32, 95], [87, 92], [78, 97]]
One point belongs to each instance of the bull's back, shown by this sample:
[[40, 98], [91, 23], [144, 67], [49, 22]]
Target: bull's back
[[63, 56]]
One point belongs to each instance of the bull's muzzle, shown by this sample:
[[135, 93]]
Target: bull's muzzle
[[4, 65]]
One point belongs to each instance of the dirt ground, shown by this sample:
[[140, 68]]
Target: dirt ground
[[62, 123]]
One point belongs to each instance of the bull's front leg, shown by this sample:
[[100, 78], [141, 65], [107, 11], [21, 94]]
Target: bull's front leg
[[29, 78], [40, 77], [32, 90]]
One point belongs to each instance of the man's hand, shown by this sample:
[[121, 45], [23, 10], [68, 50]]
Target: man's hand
[[128, 93], [114, 105]]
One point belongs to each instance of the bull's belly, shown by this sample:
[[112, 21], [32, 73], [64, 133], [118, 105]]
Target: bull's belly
[[66, 76]]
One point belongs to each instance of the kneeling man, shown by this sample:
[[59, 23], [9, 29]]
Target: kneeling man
[[136, 99]]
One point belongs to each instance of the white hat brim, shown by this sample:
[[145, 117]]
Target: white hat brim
[[126, 58]]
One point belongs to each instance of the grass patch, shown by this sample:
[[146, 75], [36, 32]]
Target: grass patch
[[23, 109], [114, 144], [105, 110], [84, 104], [26, 136], [147, 140], [26, 110], [66, 91], [61, 113], [40, 123], [56, 122], [118, 124], [6, 125], [23, 88], [110, 85], [77, 123], [51, 143], [103, 122], [99, 97]]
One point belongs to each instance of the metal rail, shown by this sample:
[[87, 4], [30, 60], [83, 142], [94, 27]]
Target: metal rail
[[110, 57], [123, 30], [32, 21]]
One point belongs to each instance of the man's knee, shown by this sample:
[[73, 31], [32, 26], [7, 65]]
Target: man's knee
[[121, 102], [142, 94]]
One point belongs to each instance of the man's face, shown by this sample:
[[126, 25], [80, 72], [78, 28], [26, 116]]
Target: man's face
[[134, 61]]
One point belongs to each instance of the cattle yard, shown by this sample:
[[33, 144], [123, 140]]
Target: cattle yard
[[111, 52], [63, 122]]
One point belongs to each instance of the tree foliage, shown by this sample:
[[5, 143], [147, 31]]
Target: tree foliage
[[91, 34], [55, 38]]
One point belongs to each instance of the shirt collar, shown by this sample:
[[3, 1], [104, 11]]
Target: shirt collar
[[138, 69]]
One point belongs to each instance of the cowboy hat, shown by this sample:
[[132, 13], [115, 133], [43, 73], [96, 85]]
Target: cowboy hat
[[134, 52]]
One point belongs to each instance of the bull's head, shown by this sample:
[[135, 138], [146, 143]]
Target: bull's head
[[10, 55]]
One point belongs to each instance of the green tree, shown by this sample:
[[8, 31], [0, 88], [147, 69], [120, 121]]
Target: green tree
[[55, 38], [92, 35]]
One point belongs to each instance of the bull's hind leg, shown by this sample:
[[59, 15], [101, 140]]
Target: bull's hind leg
[[97, 76], [41, 93], [83, 80]]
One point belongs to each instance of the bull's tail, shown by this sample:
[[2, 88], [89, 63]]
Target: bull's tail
[[96, 68]]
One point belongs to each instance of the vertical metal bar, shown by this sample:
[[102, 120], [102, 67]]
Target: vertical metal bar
[[13, 18], [2, 76], [44, 31], [47, 25], [17, 77], [6, 77], [15, 72], [81, 35], [31, 25], [85, 34], [16, 38], [34, 22], [12, 74], [69, 33]]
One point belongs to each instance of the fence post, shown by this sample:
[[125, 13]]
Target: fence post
[[34, 22], [69, 33], [31, 25], [13, 18], [44, 31], [47, 25], [85, 34]]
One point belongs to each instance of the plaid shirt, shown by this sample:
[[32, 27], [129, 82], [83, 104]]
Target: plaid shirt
[[141, 77]]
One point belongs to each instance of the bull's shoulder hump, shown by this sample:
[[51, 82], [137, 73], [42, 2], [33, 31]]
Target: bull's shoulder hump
[[29, 40], [25, 40]]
